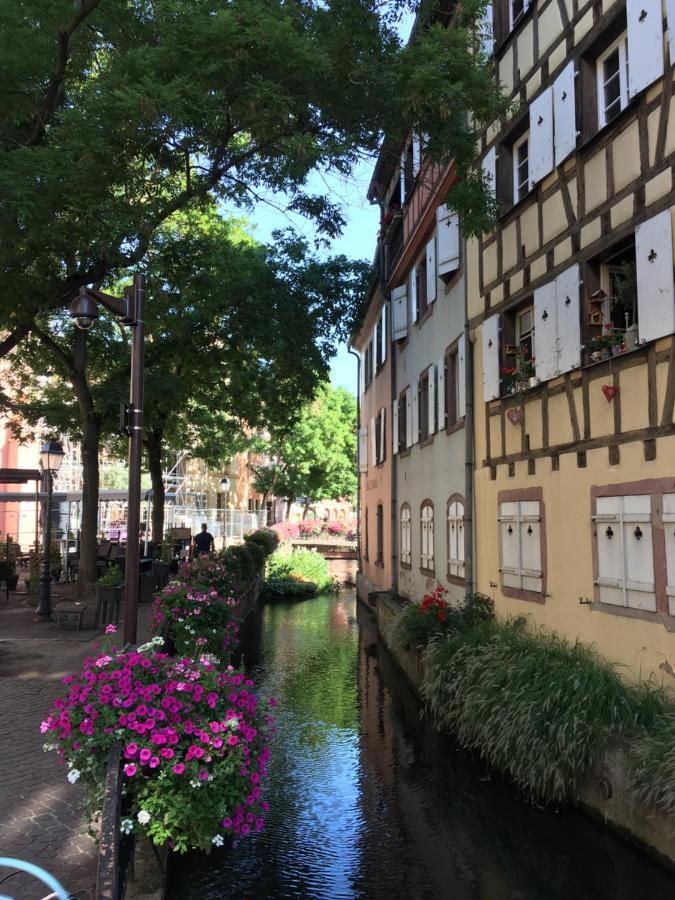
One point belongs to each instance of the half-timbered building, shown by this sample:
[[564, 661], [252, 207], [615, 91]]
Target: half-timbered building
[[571, 307]]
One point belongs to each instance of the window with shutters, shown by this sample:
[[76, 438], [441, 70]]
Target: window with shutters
[[365, 537], [380, 437], [521, 171], [612, 320], [455, 525], [368, 364], [518, 347], [612, 75], [406, 542], [379, 533], [522, 544], [427, 537], [420, 298]]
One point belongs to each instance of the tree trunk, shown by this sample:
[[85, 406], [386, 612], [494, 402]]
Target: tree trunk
[[289, 503], [153, 448], [91, 436]]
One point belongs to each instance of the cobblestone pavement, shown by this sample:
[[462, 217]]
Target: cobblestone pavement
[[41, 817]]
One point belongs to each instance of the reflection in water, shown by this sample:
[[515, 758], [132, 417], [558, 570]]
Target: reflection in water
[[368, 802]]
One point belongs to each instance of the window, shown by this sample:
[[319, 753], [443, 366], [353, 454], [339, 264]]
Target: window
[[452, 387], [365, 537], [368, 364], [406, 543], [521, 540], [379, 437], [403, 400], [379, 524], [427, 536], [419, 293], [516, 10], [612, 304], [612, 77], [518, 347], [521, 170], [427, 403], [456, 538]]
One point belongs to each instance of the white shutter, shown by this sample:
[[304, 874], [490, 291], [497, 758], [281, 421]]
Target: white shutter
[[383, 332], [461, 378], [415, 415], [413, 294], [545, 331], [530, 546], [363, 449], [416, 155], [383, 433], [491, 358], [447, 229], [625, 551], [373, 441], [668, 517], [394, 426], [362, 372], [654, 264], [431, 410], [670, 15], [540, 149], [509, 530], [431, 269], [403, 176], [487, 31], [460, 539], [567, 319], [408, 418], [645, 43], [376, 344], [610, 579], [564, 115], [440, 391], [399, 312], [489, 167]]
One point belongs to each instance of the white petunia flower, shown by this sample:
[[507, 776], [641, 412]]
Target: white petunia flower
[[73, 775], [126, 826], [217, 840], [143, 816]]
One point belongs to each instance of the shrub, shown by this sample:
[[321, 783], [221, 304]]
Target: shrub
[[196, 619], [206, 571], [652, 763], [240, 563], [534, 705], [301, 565], [266, 537], [258, 554], [194, 743], [112, 577], [435, 617], [291, 588]]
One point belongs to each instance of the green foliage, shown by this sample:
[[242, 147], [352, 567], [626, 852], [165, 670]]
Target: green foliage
[[534, 705], [266, 538], [112, 577], [241, 564], [257, 553], [652, 763], [316, 457], [8, 555], [290, 588], [417, 624], [302, 566]]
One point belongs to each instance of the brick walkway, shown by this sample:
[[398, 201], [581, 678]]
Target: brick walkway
[[40, 812]]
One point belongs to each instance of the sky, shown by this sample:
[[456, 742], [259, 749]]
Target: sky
[[359, 237]]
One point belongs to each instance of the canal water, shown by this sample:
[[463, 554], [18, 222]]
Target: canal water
[[369, 802]]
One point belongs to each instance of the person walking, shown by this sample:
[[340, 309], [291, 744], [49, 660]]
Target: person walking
[[203, 542]]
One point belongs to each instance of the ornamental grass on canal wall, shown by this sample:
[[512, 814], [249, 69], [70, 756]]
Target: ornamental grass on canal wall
[[537, 707]]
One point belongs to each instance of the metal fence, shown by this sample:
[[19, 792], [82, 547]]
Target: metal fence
[[116, 850], [226, 525]]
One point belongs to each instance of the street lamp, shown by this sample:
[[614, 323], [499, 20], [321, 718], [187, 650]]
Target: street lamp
[[51, 457], [130, 309]]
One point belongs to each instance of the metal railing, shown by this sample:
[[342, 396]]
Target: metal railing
[[116, 850]]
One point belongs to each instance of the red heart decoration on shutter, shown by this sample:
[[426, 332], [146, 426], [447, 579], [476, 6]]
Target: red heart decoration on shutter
[[610, 391], [515, 415]]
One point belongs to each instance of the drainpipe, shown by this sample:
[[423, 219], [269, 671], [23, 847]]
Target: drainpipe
[[358, 471], [469, 449]]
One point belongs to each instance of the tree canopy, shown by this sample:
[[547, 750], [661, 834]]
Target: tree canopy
[[316, 458]]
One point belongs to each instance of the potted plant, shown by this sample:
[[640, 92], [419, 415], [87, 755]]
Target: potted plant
[[161, 565], [609, 343], [8, 561], [34, 571], [109, 595], [519, 378]]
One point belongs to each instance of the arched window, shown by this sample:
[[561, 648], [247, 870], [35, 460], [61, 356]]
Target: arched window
[[379, 525], [456, 537], [427, 536], [406, 543]]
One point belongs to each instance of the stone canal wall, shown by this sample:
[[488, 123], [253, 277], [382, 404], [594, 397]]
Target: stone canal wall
[[608, 794]]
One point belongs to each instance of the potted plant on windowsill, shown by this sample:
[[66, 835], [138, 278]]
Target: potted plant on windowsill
[[610, 343], [109, 594], [519, 378]]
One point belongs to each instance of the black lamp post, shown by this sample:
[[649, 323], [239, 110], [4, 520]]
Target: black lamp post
[[51, 457], [130, 310]]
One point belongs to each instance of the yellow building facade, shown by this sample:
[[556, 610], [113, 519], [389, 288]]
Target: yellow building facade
[[571, 312]]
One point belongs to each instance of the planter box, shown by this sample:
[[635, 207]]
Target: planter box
[[108, 600], [161, 572]]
